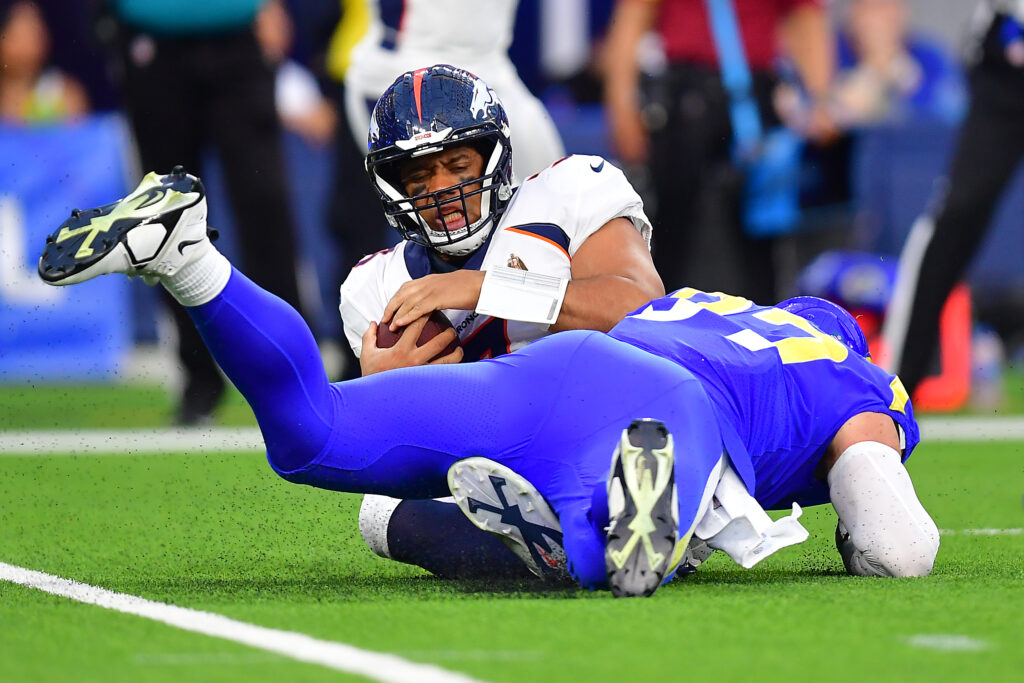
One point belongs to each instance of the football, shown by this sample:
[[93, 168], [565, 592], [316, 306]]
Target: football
[[437, 323]]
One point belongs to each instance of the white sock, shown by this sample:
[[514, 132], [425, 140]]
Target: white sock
[[374, 515], [200, 280]]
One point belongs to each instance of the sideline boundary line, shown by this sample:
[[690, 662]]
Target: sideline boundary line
[[376, 666], [219, 439], [972, 428], [131, 441]]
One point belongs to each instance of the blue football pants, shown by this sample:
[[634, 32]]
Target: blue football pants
[[553, 412]]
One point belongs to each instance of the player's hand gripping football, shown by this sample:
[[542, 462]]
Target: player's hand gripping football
[[416, 298], [410, 349]]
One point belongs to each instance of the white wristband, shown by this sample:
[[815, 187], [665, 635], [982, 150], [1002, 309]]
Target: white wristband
[[515, 294]]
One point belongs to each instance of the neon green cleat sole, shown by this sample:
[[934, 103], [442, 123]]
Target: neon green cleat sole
[[128, 235], [643, 511]]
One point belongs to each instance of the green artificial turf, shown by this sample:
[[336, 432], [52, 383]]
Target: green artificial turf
[[222, 533], [104, 406]]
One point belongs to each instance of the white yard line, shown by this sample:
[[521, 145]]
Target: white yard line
[[213, 439], [972, 428], [373, 665], [130, 441], [948, 642]]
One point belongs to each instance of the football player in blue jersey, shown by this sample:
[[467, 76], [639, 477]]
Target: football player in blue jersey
[[693, 415]]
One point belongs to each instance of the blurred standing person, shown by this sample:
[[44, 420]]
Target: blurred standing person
[[939, 248], [468, 34], [300, 104], [30, 91], [355, 218], [888, 72], [193, 75], [684, 136]]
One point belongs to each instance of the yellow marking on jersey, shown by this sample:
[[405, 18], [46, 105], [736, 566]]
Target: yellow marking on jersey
[[899, 396], [818, 346], [799, 349], [727, 304]]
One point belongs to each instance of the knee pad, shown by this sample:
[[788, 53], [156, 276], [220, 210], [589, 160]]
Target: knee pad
[[883, 528]]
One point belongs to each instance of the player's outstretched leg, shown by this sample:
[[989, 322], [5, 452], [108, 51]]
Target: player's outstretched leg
[[155, 231], [496, 499], [643, 510], [159, 232]]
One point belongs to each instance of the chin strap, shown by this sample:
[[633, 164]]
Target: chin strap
[[736, 524]]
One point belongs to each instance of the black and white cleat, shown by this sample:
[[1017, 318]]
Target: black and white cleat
[[643, 510], [153, 231], [498, 500]]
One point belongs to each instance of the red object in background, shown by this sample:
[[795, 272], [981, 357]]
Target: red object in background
[[683, 26], [950, 389]]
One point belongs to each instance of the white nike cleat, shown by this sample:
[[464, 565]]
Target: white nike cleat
[[153, 232], [643, 512], [498, 500]]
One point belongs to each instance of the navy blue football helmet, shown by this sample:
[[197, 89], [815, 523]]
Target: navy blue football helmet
[[423, 112]]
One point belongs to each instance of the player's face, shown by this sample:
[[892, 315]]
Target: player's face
[[440, 173]]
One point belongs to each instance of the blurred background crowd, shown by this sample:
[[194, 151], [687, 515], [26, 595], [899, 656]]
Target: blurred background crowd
[[865, 151]]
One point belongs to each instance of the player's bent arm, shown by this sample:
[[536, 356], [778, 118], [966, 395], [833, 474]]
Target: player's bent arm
[[883, 528], [612, 274]]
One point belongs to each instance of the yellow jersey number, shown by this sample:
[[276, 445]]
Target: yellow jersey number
[[795, 349]]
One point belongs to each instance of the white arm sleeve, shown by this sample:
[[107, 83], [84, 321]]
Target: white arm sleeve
[[883, 528]]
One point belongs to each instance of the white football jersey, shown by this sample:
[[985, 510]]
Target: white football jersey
[[550, 215], [468, 27]]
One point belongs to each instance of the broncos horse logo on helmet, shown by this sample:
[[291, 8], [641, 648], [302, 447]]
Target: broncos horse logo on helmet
[[423, 112]]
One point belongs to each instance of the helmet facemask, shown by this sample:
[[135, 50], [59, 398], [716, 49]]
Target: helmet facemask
[[423, 113], [494, 187]]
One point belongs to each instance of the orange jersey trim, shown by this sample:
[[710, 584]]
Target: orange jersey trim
[[556, 245]]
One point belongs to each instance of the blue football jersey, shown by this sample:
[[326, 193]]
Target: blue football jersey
[[781, 386]]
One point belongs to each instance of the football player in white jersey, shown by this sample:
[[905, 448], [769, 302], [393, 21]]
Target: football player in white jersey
[[566, 249], [475, 35]]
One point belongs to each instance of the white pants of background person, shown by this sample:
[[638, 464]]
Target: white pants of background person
[[479, 47]]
